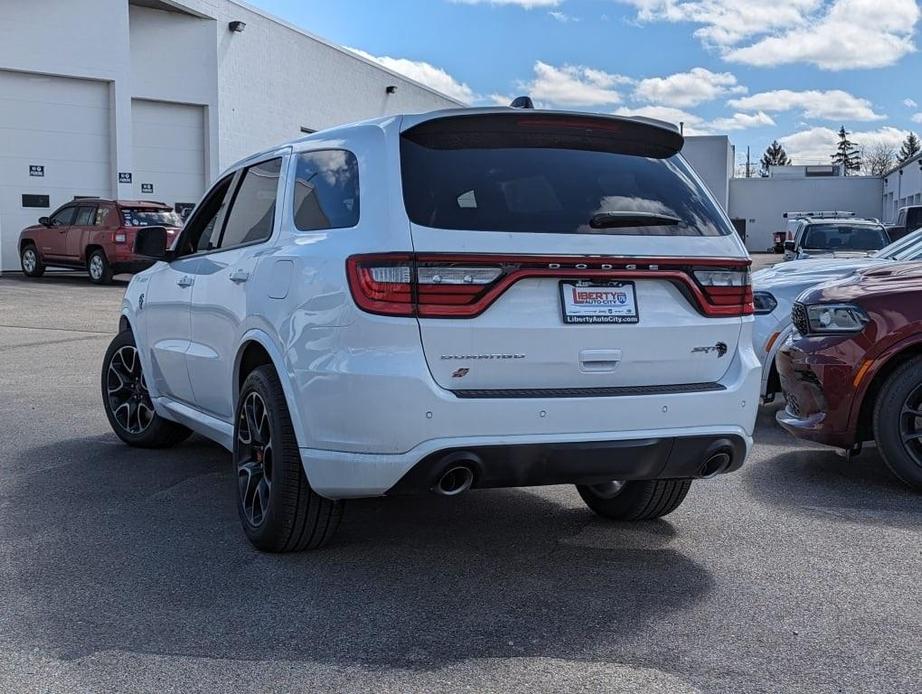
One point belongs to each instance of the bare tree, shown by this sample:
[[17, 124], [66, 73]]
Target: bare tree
[[877, 159]]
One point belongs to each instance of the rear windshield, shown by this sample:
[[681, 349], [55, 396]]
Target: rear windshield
[[844, 237], [145, 217], [552, 185]]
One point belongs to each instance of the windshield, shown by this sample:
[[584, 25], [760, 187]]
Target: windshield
[[147, 217], [844, 237], [553, 187]]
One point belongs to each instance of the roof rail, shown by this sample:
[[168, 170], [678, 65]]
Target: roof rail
[[819, 214]]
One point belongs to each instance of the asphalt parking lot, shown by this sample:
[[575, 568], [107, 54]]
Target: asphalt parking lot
[[125, 570]]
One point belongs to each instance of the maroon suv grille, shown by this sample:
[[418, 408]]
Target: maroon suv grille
[[799, 318]]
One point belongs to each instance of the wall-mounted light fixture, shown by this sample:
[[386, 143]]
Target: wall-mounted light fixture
[[237, 26], [390, 89]]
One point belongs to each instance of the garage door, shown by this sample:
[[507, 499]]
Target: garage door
[[54, 142], [169, 151]]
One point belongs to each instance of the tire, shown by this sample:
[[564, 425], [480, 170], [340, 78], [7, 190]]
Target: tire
[[635, 501], [98, 268], [127, 402], [31, 262], [900, 397], [278, 509]]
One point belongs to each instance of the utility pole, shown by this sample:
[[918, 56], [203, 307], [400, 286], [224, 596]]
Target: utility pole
[[748, 169]]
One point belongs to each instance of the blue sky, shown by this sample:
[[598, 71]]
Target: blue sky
[[757, 70]]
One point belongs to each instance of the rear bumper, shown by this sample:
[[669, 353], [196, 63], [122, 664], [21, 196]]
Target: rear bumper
[[528, 465], [131, 265], [522, 461]]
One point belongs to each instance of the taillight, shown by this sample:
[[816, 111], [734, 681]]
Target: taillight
[[120, 237], [397, 285], [381, 284], [464, 286], [728, 291]]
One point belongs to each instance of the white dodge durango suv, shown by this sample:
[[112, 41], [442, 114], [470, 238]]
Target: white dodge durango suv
[[430, 303]]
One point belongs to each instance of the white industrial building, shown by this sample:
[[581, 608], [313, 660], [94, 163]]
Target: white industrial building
[[150, 99], [902, 187], [757, 205]]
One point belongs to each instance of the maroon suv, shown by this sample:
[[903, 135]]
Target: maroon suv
[[852, 372], [93, 234]]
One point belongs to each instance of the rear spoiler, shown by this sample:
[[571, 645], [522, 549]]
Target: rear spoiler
[[547, 129]]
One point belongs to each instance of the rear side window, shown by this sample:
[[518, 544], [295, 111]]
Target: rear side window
[[326, 190], [554, 179], [85, 216], [844, 237], [252, 212]]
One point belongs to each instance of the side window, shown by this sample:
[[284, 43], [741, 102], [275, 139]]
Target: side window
[[63, 217], [326, 190], [205, 224], [101, 213], [85, 216], [252, 213]]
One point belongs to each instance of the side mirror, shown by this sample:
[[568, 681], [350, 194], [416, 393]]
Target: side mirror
[[45, 221], [789, 246], [151, 242]]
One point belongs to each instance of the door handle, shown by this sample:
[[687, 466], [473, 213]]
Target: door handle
[[185, 281], [239, 276]]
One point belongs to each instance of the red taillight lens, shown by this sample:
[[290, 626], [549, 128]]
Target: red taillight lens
[[401, 285], [728, 291], [381, 284]]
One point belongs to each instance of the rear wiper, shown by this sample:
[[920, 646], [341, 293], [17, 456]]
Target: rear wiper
[[626, 218]]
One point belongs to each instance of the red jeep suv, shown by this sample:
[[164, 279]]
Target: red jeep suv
[[94, 234], [852, 371]]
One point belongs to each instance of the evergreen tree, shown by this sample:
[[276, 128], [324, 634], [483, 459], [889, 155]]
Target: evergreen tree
[[909, 149], [774, 156], [847, 155]]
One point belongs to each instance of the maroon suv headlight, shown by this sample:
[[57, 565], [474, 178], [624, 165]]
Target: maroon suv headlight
[[829, 319]]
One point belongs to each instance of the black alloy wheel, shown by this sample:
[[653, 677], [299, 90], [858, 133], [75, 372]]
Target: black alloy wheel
[[126, 389], [254, 457], [127, 401]]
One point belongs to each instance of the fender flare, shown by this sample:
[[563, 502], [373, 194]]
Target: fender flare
[[285, 376]]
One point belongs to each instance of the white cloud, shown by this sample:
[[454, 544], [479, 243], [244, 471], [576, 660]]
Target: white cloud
[[817, 145], [741, 121], [573, 85], [696, 125], [664, 113], [527, 4], [917, 118], [835, 35], [853, 34], [563, 17], [909, 103], [827, 105], [685, 89], [424, 73], [727, 22]]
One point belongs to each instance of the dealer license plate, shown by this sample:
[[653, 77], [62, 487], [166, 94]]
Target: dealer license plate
[[598, 302]]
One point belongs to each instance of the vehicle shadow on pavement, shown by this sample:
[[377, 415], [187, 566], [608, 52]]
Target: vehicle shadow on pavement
[[141, 551], [818, 481]]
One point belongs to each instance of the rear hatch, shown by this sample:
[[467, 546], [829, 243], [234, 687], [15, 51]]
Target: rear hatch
[[133, 218], [562, 255]]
